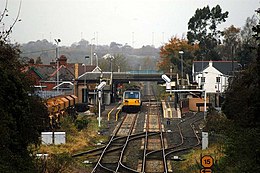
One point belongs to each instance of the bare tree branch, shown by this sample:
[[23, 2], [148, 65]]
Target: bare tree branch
[[5, 10], [6, 33]]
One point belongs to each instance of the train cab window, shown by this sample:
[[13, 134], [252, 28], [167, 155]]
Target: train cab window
[[131, 95]]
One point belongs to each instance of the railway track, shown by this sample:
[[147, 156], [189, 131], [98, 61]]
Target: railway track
[[142, 142], [112, 161], [153, 163], [186, 134]]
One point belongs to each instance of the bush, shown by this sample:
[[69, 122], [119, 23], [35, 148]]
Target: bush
[[81, 123]]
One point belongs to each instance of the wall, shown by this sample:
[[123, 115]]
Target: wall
[[193, 101], [211, 85]]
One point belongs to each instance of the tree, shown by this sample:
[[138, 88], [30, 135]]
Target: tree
[[118, 63], [242, 107], [38, 60], [4, 35], [148, 63], [247, 54], [202, 29], [169, 54], [23, 116], [231, 42]]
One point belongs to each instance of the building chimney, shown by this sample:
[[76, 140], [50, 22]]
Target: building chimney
[[76, 71], [31, 62], [63, 60], [53, 63], [210, 63]]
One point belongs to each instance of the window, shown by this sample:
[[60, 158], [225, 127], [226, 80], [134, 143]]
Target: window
[[131, 95], [203, 79], [217, 79]]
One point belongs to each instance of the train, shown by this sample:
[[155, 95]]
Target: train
[[131, 100], [60, 106]]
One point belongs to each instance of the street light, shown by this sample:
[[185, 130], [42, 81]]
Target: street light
[[99, 89], [95, 54], [168, 84], [181, 53], [57, 61], [110, 57], [91, 59], [85, 88]]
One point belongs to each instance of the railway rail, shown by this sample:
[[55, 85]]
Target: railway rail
[[142, 142], [125, 129], [153, 143]]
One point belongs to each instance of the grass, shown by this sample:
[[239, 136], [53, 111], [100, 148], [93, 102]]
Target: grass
[[192, 163], [76, 140]]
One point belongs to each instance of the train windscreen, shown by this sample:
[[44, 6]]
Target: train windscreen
[[131, 95]]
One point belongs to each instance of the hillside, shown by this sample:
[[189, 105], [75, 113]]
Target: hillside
[[144, 58]]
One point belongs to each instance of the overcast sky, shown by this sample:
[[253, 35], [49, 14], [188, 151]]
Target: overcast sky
[[132, 22]]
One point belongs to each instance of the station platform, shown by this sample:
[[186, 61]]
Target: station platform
[[169, 110]]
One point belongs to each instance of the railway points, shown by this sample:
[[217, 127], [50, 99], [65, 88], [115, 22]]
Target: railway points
[[143, 141]]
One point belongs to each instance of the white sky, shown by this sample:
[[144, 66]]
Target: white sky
[[135, 22]]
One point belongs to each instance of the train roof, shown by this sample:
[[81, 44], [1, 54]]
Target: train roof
[[132, 90]]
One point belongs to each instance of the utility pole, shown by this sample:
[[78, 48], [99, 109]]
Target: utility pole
[[91, 56], [57, 61]]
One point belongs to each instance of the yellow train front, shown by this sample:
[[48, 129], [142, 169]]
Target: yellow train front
[[131, 101]]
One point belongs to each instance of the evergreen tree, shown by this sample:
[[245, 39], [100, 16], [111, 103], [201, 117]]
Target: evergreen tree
[[23, 116], [203, 30], [242, 107]]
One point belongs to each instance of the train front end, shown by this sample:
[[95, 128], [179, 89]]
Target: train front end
[[131, 101]]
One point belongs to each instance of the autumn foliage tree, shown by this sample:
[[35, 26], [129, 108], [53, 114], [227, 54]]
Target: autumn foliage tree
[[231, 42], [170, 56]]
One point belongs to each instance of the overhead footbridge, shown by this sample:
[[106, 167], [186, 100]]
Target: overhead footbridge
[[123, 77]]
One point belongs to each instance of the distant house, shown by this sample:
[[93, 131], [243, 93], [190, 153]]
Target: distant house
[[47, 77], [213, 76]]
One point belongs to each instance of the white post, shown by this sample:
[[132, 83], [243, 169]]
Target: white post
[[99, 108], [205, 140], [205, 104]]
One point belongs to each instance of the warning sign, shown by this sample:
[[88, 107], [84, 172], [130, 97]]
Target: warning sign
[[205, 171], [207, 161]]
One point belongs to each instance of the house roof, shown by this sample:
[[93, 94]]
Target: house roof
[[36, 71], [225, 67], [66, 73]]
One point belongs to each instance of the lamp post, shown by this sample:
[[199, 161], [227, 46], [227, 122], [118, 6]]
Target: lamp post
[[95, 54], [181, 53], [99, 89], [91, 59], [85, 87], [111, 65], [57, 61]]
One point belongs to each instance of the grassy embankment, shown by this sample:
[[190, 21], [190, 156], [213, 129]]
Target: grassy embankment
[[81, 135], [191, 161]]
